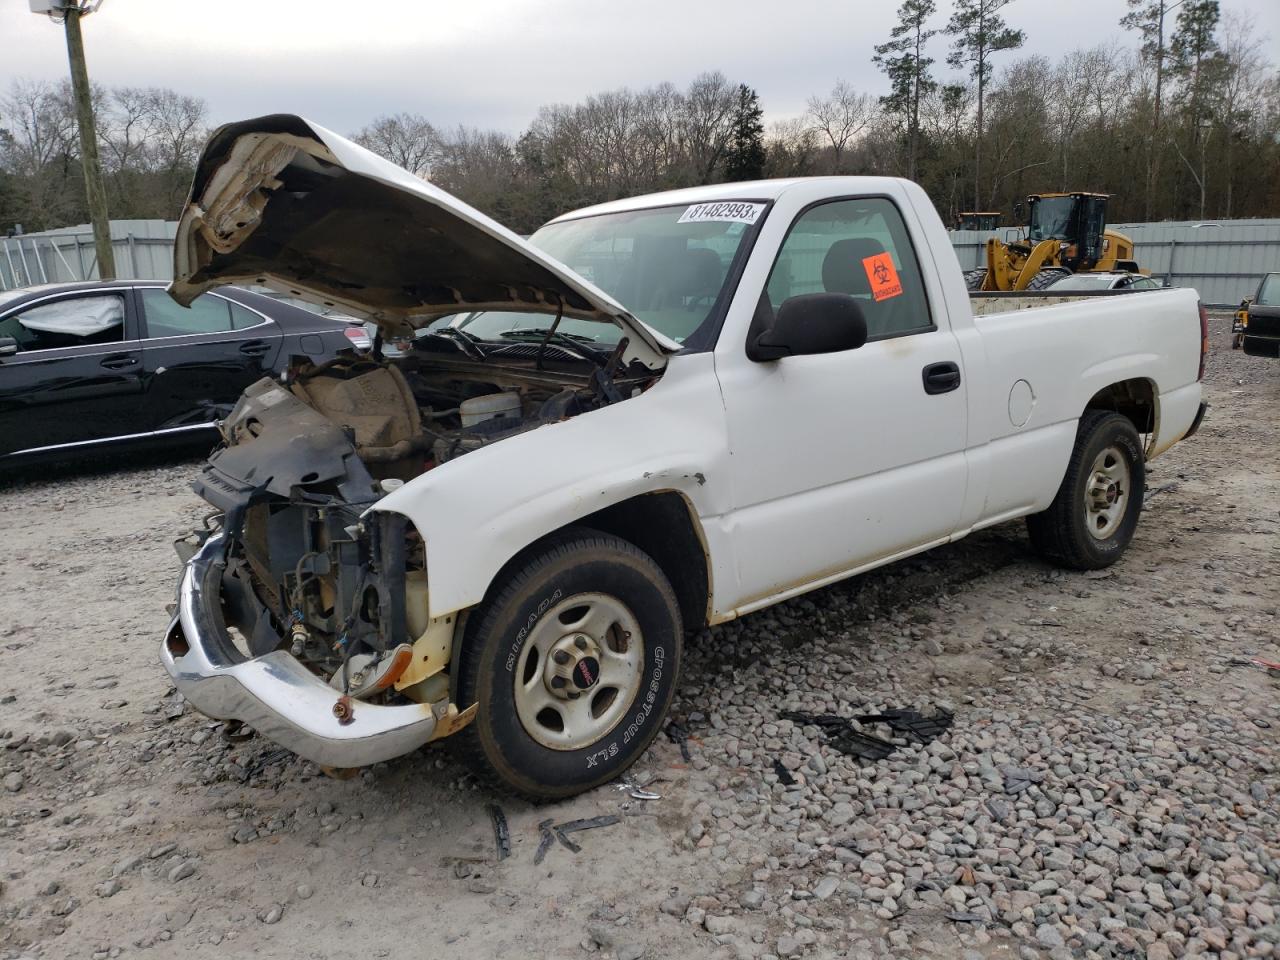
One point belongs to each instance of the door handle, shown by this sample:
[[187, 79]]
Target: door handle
[[941, 377], [120, 362], [255, 348]]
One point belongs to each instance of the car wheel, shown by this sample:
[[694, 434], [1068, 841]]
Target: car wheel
[[1095, 513], [572, 661]]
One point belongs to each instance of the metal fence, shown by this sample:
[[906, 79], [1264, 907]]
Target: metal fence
[[1223, 260], [143, 251]]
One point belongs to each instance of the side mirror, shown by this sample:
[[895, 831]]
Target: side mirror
[[812, 323], [8, 346]]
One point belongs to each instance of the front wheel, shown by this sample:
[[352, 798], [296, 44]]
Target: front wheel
[[1095, 513], [572, 662]]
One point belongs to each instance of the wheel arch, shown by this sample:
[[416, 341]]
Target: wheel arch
[[662, 523], [1138, 400]]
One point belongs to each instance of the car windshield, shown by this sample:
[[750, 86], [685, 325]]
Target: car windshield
[[667, 265], [1051, 217], [1269, 292]]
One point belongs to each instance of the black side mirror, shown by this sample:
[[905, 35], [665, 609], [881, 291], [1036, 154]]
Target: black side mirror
[[8, 346], [812, 323]]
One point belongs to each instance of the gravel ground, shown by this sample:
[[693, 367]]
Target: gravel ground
[[1109, 787]]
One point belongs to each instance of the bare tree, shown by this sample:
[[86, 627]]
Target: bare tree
[[791, 148], [839, 117], [41, 150], [706, 121], [406, 139]]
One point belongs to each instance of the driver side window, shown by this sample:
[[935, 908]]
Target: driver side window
[[859, 247], [71, 322]]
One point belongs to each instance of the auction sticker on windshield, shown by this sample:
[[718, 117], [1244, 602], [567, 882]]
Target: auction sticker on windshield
[[728, 211]]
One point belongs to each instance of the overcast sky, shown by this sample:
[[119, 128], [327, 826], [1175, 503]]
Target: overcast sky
[[491, 63]]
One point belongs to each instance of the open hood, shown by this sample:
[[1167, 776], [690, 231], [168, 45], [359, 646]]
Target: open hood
[[288, 204]]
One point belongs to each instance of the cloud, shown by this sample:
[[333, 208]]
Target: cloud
[[492, 63]]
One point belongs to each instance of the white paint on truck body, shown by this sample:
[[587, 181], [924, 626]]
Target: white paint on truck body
[[808, 469]]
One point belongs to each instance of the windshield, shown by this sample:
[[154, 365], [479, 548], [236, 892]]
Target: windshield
[[1269, 292], [668, 266], [1051, 217]]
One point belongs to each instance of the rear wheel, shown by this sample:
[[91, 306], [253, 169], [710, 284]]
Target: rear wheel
[[1095, 513], [572, 662]]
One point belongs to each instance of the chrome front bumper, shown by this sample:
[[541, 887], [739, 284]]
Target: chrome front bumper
[[274, 694]]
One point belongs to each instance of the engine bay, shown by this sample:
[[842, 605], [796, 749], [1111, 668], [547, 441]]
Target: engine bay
[[307, 569]]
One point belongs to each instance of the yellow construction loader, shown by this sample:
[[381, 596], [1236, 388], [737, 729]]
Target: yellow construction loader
[[1066, 233]]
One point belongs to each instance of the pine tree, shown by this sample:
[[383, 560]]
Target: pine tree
[[744, 160], [1148, 18], [903, 61], [979, 31], [1197, 62]]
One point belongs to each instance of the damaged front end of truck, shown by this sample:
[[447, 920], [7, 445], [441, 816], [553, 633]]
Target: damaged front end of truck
[[304, 607]]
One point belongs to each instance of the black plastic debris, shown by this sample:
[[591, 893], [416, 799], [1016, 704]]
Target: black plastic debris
[[551, 832], [840, 734], [784, 775], [966, 917], [923, 729], [680, 737], [235, 731], [574, 826], [544, 844], [565, 841], [861, 745], [501, 832]]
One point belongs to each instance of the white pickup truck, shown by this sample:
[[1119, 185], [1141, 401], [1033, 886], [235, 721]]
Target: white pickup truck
[[657, 413]]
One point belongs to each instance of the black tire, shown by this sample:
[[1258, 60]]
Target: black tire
[[1062, 533], [973, 279], [1047, 278], [530, 589]]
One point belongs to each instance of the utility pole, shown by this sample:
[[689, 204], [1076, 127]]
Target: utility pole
[[71, 12]]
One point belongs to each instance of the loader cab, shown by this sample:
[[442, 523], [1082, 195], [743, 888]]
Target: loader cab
[[1078, 220], [978, 220]]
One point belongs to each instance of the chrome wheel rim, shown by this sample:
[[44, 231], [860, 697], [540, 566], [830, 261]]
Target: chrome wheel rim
[[579, 671], [1106, 495]]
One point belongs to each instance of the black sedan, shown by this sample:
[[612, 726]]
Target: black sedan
[[87, 364]]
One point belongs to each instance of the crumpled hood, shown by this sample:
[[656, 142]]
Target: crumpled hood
[[281, 201]]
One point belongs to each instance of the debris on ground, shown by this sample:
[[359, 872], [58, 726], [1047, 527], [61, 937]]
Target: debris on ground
[[680, 737], [784, 775], [840, 734], [501, 832]]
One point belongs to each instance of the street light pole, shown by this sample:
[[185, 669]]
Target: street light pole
[[94, 189]]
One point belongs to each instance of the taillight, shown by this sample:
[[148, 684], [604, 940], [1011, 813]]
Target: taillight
[[359, 339], [1204, 338]]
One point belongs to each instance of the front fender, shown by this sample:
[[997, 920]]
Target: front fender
[[477, 512]]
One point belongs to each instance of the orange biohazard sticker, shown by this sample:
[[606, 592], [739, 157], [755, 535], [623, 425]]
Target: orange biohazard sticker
[[882, 276]]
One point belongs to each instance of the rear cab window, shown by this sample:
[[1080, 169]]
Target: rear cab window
[[858, 247]]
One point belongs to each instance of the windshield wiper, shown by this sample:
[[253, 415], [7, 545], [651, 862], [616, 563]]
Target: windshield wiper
[[537, 333], [468, 343], [575, 343]]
